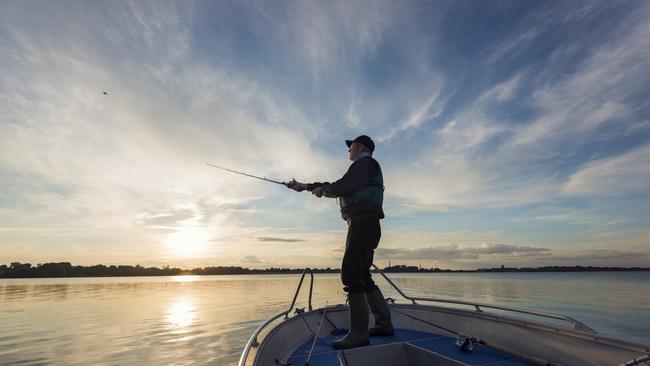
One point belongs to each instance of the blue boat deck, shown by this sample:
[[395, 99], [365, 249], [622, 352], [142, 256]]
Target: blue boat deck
[[324, 355]]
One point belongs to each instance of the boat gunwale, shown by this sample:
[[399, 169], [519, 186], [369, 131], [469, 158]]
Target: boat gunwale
[[482, 315], [578, 329], [535, 324]]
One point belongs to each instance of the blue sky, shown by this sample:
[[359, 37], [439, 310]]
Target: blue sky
[[512, 133]]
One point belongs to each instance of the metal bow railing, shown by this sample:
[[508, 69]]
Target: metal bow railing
[[252, 342], [575, 323], [637, 361]]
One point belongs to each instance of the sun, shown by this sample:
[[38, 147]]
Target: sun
[[188, 241]]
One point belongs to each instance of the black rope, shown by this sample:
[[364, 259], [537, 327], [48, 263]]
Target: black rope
[[336, 330], [332, 324]]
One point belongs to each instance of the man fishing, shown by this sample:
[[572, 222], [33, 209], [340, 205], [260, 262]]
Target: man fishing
[[360, 193]]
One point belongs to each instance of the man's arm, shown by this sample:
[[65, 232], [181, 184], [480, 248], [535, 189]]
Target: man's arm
[[299, 187], [357, 175]]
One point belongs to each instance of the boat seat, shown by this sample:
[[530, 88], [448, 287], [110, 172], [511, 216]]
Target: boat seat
[[394, 354]]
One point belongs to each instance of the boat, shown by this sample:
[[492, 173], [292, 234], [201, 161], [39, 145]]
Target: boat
[[430, 331]]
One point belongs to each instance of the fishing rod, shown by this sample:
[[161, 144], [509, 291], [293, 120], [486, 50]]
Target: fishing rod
[[250, 175]]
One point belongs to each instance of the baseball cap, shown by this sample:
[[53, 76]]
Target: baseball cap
[[363, 140]]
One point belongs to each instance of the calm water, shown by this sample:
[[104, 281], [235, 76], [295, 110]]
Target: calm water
[[207, 320]]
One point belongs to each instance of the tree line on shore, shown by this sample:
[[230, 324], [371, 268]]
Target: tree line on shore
[[66, 269]]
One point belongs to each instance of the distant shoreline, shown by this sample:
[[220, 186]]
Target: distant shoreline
[[66, 269]]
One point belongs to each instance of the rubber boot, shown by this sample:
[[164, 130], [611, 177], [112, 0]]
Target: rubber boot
[[358, 334], [383, 325]]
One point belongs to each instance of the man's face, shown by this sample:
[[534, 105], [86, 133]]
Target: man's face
[[355, 149]]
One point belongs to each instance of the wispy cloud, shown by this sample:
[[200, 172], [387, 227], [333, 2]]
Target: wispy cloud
[[600, 254], [624, 175], [327, 37], [74, 155], [549, 109], [453, 251], [484, 156], [429, 109], [251, 259], [597, 92], [280, 240]]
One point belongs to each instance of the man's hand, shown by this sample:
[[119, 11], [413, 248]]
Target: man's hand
[[297, 186], [318, 192]]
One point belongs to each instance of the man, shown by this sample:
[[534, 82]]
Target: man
[[360, 193]]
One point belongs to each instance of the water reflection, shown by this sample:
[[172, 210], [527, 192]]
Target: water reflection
[[53, 292], [187, 278], [15, 292], [181, 313], [208, 319]]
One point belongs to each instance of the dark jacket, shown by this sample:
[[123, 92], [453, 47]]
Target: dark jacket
[[360, 190]]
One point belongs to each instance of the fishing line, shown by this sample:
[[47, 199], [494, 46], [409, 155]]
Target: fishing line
[[249, 175], [312, 332], [427, 322], [466, 343], [320, 324]]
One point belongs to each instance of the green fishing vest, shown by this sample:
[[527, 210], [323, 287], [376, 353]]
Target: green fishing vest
[[368, 199]]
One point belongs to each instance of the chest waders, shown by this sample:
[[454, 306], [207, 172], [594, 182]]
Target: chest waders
[[362, 208]]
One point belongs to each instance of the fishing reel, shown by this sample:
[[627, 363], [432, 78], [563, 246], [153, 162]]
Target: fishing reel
[[466, 344]]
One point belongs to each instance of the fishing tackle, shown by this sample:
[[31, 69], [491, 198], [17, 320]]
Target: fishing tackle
[[250, 175]]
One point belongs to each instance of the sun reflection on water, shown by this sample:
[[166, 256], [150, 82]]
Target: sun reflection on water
[[185, 278], [152, 321], [181, 313]]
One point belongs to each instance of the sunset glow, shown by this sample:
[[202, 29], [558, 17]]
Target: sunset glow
[[509, 133], [188, 242]]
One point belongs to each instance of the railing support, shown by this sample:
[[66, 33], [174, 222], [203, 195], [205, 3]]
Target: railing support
[[252, 342], [295, 295]]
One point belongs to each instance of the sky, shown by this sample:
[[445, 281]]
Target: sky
[[511, 133]]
